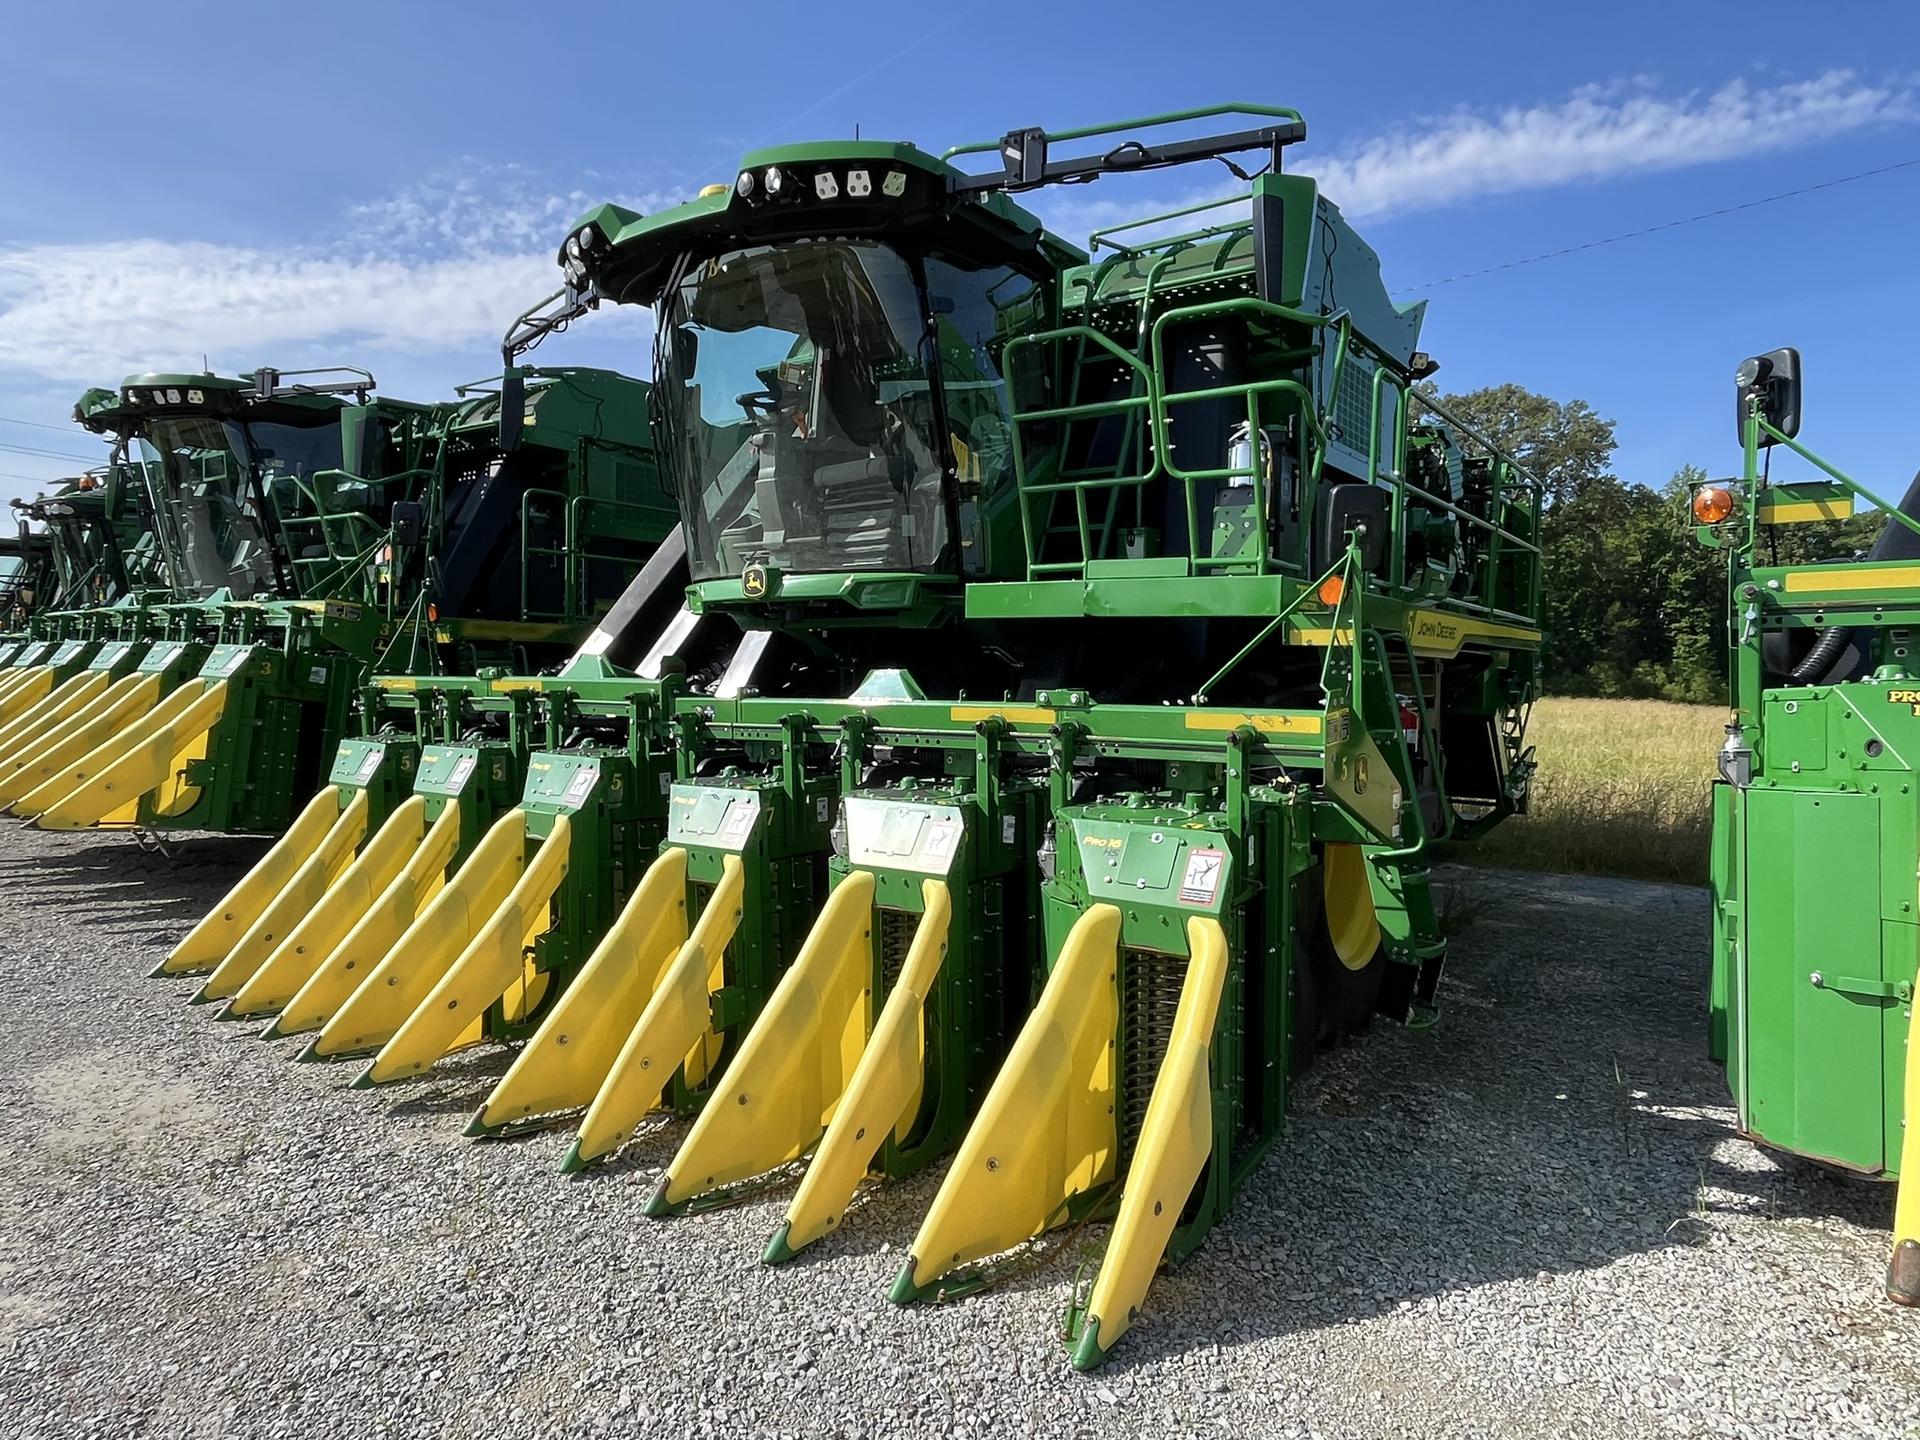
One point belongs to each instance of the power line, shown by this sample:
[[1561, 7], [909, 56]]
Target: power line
[[35, 424], [1664, 225], [39, 454]]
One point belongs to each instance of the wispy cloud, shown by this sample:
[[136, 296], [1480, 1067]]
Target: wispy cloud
[[441, 267], [1599, 133]]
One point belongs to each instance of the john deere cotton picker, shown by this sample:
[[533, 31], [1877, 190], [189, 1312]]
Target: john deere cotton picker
[[77, 602], [1080, 656], [1816, 816], [311, 530]]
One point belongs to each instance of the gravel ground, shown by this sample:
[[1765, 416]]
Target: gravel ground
[[1531, 1220]]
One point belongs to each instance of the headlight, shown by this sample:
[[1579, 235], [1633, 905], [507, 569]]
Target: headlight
[[859, 184], [825, 186], [743, 187], [573, 246], [773, 180]]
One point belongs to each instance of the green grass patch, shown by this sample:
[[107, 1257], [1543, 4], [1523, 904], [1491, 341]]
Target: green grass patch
[[1622, 789]]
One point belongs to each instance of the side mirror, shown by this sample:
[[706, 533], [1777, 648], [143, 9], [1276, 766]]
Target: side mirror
[[686, 351], [513, 407], [409, 524], [1774, 379], [358, 433]]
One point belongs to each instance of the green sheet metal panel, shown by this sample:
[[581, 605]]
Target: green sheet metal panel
[[1815, 1077]]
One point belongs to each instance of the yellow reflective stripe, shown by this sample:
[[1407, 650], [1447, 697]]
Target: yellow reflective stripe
[[1795, 512], [502, 687], [1433, 632], [1875, 577], [396, 682], [1013, 714], [1275, 724]]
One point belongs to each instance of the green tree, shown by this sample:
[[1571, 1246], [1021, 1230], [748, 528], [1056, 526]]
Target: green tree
[[1634, 605]]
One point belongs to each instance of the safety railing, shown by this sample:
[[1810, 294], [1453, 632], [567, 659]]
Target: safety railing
[[573, 553], [1151, 400]]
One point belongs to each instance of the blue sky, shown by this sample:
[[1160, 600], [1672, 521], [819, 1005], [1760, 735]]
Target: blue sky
[[294, 185]]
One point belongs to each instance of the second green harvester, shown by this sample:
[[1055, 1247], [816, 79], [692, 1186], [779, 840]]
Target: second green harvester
[[1816, 811]]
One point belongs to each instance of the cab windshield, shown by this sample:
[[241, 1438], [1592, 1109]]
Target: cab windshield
[[207, 505], [805, 431]]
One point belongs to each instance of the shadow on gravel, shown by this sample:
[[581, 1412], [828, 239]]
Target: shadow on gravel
[[164, 892], [1563, 1116]]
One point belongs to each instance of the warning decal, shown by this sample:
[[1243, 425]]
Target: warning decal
[[1201, 882]]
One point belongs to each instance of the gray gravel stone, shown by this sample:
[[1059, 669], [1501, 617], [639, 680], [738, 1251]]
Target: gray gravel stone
[[1531, 1220]]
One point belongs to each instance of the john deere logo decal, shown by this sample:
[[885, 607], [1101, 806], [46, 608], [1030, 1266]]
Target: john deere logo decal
[[753, 581]]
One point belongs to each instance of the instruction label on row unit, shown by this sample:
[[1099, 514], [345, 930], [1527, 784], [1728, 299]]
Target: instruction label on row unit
[[901, 835], [712, 816]]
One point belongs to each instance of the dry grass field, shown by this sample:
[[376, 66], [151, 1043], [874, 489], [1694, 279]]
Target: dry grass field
[[1622, 789]]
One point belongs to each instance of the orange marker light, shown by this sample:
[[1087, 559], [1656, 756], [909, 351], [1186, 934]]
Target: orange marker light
[[1332, 590], [433, 613], [1712, 504]]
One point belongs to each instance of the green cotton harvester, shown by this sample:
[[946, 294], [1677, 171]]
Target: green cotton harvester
[[306, 532], [1032, 750], [1816, 812]]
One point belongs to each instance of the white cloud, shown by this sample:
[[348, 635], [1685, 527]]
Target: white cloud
[[439, 269], [1598, 133]]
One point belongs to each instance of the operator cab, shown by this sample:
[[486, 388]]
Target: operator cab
[[823, 399]]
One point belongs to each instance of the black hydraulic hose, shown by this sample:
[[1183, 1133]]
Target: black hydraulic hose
[[1828, 662], [1813, 666]]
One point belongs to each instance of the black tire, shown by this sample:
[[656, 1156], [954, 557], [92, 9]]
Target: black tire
[[1346, 996]]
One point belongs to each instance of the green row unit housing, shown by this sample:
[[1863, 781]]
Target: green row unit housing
[[1816, 938]]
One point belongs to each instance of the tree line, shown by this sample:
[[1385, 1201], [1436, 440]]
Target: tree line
[[1636, 606]]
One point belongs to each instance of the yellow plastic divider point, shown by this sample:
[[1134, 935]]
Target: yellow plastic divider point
[[564, 1065], [24, 692], [1046, 1130], [675, 1024], [70, 695], [421, 957], [31, 766], [113, 747], [1176, 1137], [222, 927], [492, 964], [287, 911], [140, 760], [884, 1093], [794, 1064], [315, 935], [376, 932]]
